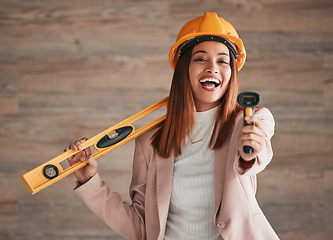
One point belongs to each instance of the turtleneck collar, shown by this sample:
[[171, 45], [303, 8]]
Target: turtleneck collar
[[207, 116]]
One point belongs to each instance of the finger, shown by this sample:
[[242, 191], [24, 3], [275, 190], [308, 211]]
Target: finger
[[257, 121], [72, 160], [82, 156], [252, 137], [78, 145], [70, 157], [92, 161], [257, 124], [87, 150], [257, 146], [249, 132], [76, 156], [73, 147], [253, 130], [82, 140], [252, 140]]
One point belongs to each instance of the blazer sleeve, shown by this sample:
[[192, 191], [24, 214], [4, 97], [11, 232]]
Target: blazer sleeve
[[266, 155], [126, 219]]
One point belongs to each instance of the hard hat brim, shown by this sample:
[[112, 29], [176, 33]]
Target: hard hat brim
[[173, 53]]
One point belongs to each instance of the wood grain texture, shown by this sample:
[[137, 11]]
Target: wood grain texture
[[74, 68]]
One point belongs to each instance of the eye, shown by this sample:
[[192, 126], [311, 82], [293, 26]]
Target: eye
[[199, 59], [223, 61]]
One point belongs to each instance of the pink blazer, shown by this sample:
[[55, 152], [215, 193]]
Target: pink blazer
[[237, 213]]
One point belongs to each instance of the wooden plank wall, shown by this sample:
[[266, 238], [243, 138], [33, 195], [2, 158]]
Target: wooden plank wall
[[73, 68]]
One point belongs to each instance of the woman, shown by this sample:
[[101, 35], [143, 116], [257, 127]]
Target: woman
[[191, 178]]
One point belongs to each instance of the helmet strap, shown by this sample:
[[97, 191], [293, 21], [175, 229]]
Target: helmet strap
[[195, 41]]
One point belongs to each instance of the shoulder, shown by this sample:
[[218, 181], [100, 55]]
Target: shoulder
[[146, 137], [144, 141]]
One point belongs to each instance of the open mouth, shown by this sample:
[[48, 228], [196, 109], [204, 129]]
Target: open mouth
[[210, 83]]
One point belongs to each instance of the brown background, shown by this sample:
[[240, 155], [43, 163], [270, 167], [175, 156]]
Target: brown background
[[74, 68]]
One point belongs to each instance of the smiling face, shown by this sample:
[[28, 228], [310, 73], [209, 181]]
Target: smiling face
[[209, 73]]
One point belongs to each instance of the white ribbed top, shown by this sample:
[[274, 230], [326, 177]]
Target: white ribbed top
[[191, 211]]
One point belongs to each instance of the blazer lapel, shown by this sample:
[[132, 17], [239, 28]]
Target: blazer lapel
[[222, 156], [219, 171], [221, 159], [164, 175]]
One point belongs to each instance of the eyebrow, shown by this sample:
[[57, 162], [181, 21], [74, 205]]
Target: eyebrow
[[202, 51]]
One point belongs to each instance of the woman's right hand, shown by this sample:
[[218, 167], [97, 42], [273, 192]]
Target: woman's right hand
[[88, 171]]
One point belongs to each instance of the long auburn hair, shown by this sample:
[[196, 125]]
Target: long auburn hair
[[180, 117]]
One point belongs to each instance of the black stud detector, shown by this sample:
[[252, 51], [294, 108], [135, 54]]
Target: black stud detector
[[249, 101]]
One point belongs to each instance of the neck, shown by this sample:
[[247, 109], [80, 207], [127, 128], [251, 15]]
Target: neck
[[203, 107]]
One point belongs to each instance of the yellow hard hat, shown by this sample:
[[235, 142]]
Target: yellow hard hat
[[209, 27]]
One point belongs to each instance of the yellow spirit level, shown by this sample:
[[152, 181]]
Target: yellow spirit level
[[104, 142]]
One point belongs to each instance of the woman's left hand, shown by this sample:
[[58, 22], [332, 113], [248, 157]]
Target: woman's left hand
[[253, 136]]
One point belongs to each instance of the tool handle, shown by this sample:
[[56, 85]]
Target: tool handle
[[248, 100], [248, 112]]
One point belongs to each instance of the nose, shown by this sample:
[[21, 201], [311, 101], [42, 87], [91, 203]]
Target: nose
[[212, 67]]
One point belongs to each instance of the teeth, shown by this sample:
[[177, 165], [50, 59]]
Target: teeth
[[212, 80]]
